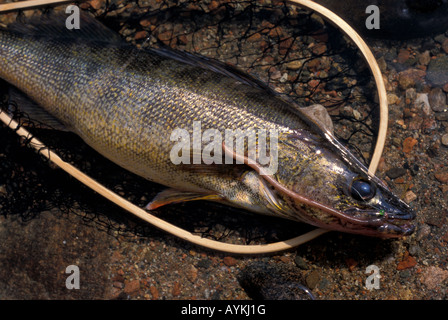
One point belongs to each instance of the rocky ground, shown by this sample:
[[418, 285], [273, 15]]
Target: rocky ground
[[49, 221]]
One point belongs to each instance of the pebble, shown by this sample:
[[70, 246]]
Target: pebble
[[444, 139], [407, 263], [392, 98], [408, 144], [424, 58], [301, 263], [176, 289], [445, 45], [410, 77], [403, 55], [154, 292], [294, 65], [433, 277], [192, 274], [441, 176], [410, 196], [437, 100], [132, 286], [422, 103], [229, 261], [313, 279], [437, 72]]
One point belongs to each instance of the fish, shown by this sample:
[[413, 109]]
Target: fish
[[142, 109]]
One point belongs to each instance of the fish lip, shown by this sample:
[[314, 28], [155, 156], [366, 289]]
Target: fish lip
[[393, 223]]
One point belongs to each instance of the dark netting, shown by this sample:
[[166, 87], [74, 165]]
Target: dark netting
[[294, 50]]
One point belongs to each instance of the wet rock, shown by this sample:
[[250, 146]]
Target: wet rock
[[407, 263], [301, 263], [444, 139], [313, 279], [424, 58], [437, 72], [192, 273], [421, 103], [263, 281], [409, 78], [403, 55], [229, 261], [433, 277], [445, 45], [132, 286], [437, 100], [409, 197], [394, 173], [176, 289], [294, 65], [441, 176], [408, 144]]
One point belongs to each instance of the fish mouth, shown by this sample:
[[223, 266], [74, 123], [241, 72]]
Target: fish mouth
[[388, 222]]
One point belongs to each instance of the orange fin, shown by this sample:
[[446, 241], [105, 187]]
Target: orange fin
[[170, 196]]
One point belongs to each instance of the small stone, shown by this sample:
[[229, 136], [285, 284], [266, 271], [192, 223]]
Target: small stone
[[395, 173], [382, 64], [403, 55], [145, 23], [444, 139], [441, 176], [424, 58], [294, 65], [433, 277], [132, 286], [96, 4], [351, 263], [437, 72], [357, 115], [301, 263], [154, 292], [140, 35], [410, 196], [408, 144], [422, 103], [410, 77], [192, 274], [392, 98], [407, 263], [176, 289], [229, 261], [319, 48], [445, 45], [213, 5], [411, 93], [313, 279], [437, 100], [255, 37]]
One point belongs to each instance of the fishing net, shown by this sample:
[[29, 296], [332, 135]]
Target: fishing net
[[294, 50]]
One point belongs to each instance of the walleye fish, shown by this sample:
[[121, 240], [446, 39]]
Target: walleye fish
[[127, 102]]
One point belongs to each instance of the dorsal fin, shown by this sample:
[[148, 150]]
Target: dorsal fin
[[213, 65]]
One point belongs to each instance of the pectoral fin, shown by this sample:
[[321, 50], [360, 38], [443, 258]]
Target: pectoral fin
[[170, 196]]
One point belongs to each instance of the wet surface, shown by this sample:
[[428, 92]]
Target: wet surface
[[49, 221]]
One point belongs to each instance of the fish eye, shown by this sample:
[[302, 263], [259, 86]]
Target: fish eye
[[362, 190]]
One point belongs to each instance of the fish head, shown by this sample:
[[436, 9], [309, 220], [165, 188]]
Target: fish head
[[332, 190]]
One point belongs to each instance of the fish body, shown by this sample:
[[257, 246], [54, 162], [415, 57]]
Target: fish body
[[126, 103]]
